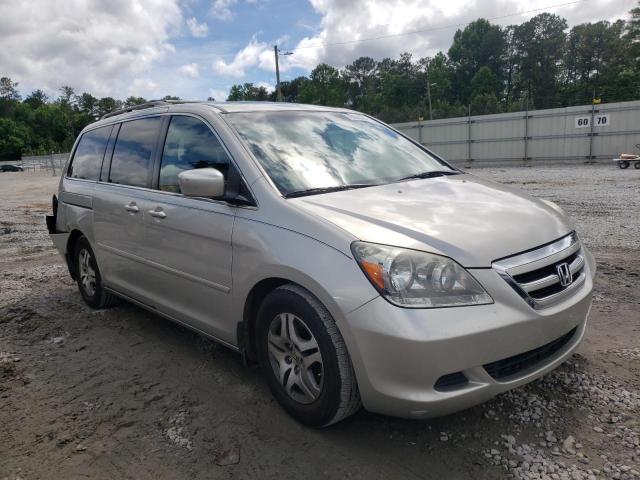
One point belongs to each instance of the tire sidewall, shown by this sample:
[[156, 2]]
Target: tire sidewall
[[324, 408], [95, 300]]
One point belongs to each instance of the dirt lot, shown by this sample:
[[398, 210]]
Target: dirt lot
[[123, 393]]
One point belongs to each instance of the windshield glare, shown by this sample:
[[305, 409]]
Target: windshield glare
[[305, 150]]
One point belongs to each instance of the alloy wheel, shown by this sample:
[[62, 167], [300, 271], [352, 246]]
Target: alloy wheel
[[86, 272], [295, 357]]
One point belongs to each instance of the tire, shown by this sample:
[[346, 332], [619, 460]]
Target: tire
[[623, 164], [636, 165], [88, 277], [317, 394]]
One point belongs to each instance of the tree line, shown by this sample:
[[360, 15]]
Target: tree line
[[488, 69]]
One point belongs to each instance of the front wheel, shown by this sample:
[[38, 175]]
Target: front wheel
[[88, 277], [623, 164], [304, 358]]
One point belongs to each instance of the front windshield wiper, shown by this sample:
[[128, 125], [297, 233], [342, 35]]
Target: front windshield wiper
[[430, 174], [335, 188]]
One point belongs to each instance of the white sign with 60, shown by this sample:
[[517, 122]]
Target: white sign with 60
[[603, 120]]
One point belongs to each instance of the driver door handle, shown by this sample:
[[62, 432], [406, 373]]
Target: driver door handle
[[157, 214], [132, 207]]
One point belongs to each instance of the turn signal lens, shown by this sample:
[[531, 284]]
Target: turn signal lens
[[374, 272]]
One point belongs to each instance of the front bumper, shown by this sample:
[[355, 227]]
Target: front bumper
[[399, 354]]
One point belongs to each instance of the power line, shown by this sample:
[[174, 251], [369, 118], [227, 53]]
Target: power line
[[426, 30]]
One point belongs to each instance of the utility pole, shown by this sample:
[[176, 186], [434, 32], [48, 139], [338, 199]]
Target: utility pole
[[429, 94], [278, 91], [526, 128], [277, 53], [593, 114]]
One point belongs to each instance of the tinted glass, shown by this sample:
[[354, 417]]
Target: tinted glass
[[302, 150], [133, 151], [87, 160], [190, 144]]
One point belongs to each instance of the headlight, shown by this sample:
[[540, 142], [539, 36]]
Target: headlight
[[409, 278]]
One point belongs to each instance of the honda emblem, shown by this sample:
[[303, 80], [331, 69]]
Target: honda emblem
[[564, 274]]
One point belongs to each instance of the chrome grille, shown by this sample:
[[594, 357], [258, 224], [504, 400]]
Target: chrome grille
[[540, 276]]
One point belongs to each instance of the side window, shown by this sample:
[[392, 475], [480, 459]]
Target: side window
[[89, 153], [190, 144], [133, 151]]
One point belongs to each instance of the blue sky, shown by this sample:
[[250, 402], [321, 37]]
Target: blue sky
[[200, 48]]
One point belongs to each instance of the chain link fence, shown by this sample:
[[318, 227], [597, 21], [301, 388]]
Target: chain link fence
[[53, 162]]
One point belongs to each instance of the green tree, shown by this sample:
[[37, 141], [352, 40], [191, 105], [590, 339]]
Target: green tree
[[133, 101], [9, 89], [67, 96], [484, 82], [540, 44], [107, 105], [14, 139], [36, 99], [248, 92], [362, 81], [632, 34], [325, 87], [87, 103], [480, 44]]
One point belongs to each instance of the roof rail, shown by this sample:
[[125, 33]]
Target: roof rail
[[142, 106]]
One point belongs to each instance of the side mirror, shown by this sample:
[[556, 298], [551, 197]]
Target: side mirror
[[201, 182]]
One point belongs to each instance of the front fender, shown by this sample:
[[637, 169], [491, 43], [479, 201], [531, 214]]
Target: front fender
[[262, 251]]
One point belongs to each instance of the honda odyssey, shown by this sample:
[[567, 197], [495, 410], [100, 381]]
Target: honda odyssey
[[354, 265]]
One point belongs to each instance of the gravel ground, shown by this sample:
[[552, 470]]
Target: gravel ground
[[122, 393]]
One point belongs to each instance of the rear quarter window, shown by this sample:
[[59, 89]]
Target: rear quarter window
[[87, 159]]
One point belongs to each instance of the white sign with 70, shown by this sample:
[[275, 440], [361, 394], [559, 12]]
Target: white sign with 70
[[603, 120]]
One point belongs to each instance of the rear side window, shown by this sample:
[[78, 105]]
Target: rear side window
[[87, 160], [133, 151], [190, 144]]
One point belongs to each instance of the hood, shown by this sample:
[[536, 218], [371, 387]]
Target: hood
[[472, 220]]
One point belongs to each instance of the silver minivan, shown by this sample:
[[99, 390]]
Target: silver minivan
[[355, 266]]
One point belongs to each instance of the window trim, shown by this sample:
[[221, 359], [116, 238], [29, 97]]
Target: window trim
[[106, 161], [236, 174], [153, 152], [72, 157]]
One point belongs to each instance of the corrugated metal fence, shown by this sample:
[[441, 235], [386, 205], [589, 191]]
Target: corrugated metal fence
[[585, 133]]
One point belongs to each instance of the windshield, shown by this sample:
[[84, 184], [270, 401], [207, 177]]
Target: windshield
[[316, 150]]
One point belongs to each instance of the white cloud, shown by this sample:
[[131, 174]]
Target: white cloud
[[144, 87], [198, 30], [93, 46], [255, 54], [218, 94], [221, 9], [190, 70], [268, 87], [342, 22]]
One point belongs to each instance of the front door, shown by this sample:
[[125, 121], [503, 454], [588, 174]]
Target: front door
[[188, 240]]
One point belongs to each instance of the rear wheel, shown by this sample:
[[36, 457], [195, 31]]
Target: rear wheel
[[304, 358], [637, 165], [88, 277]]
